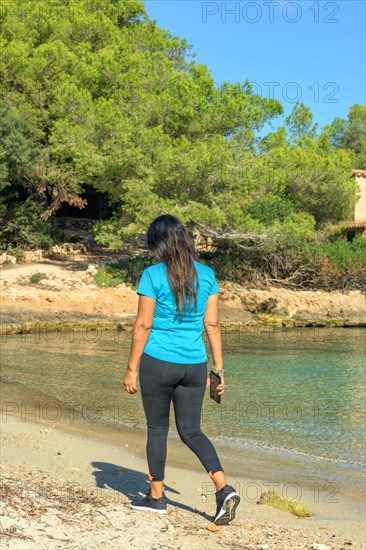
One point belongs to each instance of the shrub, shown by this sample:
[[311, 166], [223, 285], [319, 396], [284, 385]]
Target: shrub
[[126, 271], [23, 228], [295, 261], [343, 255], [35, 278]]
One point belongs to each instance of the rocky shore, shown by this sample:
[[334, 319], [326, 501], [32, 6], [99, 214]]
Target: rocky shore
[[58, 291]]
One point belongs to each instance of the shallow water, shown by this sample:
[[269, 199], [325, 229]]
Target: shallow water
[[294, 406]]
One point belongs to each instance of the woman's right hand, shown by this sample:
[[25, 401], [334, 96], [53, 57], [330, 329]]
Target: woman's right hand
[[130, 381]]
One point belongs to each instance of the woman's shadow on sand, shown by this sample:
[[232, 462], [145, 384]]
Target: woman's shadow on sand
[[130, 482]]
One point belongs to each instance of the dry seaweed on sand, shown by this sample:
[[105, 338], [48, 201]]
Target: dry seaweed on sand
[[34, 493]]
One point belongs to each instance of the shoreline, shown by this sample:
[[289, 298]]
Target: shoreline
[[260, 466], [278, 467], [103, 465], [284, 464]]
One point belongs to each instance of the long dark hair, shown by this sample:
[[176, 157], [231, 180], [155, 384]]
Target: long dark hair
[[171, 243]]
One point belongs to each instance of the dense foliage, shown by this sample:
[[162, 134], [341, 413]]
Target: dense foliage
[[96, 94]]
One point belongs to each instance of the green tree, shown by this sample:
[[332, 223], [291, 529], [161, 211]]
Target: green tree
[[299, 123], [121, 104], [111, 100], [20, 207], [350, 134]]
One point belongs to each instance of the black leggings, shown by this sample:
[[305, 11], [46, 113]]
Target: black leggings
[[160, 382]]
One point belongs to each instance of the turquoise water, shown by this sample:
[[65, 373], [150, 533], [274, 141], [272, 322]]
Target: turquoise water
[[293, 396]]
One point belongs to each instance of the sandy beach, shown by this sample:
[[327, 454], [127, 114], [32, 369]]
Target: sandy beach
[[64, 487]]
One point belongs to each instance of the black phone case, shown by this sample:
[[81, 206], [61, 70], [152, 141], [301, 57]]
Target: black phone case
[[215, 380]]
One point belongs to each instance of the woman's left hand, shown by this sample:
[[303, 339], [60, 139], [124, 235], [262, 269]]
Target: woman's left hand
[[221, 387], [130, 381]]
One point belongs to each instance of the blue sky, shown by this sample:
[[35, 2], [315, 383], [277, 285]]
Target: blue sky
[[313, 51]]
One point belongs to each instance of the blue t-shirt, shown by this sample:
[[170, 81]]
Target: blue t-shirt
[[177, 340]]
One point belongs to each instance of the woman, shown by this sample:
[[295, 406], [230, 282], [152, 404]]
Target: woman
[[177, 297]]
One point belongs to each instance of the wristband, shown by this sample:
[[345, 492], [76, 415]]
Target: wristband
[[217, 371]]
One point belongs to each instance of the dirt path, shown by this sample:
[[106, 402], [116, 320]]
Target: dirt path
[[65, 291]]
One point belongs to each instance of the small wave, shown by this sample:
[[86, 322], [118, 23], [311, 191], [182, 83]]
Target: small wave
[[252, 443]]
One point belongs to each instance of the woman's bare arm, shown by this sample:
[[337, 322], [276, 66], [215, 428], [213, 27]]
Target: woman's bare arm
[[213, 329], [141, 330]]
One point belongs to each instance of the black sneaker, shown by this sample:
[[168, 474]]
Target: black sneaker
[[227, 499], [148, 492], [149, 504]]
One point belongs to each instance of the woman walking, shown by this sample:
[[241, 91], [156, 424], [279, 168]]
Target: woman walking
[[177, 297]]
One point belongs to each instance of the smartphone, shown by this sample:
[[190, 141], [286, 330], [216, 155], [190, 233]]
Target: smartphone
[[215, 380]]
